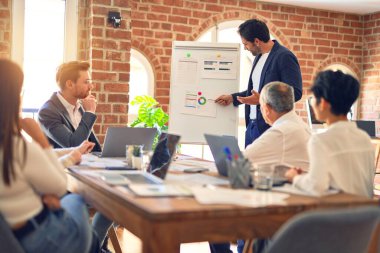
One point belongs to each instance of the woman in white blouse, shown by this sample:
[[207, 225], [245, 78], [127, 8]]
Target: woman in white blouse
[[32, 181], [342, 158]]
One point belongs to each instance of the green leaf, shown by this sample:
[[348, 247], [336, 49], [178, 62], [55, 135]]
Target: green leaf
[[150, 114]]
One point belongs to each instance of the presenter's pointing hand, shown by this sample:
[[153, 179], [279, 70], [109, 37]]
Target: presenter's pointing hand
[[224, 100], [253, 99]]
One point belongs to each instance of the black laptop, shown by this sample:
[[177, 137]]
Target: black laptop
[[367, 126]]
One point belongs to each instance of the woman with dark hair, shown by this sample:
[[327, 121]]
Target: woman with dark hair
[[342, 158], [32, 181]]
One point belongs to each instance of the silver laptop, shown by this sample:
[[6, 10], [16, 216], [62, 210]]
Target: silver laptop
[[218, 144], [118, 137], [157, 169]]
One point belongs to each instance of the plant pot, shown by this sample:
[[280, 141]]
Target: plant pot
[[136, 162]]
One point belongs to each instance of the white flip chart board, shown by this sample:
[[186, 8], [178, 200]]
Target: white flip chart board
[[200, 72]]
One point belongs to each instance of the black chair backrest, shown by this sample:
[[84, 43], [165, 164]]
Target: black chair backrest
[[8, 242], [344, 230]]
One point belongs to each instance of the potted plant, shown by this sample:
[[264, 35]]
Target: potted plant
[[137, 156], [150, 114]]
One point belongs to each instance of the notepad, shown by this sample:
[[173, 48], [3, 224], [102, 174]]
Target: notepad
[[161, 190]]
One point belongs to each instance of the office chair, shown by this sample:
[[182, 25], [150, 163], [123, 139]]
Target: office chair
[[344, 230], [8, 241]]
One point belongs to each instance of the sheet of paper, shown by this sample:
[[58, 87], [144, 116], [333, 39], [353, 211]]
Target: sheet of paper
[[185, 164], [187, 72], [97, 162], [195, 179], [164, 190], [219, 67], [200, 103], [288, 188], [252, 198]]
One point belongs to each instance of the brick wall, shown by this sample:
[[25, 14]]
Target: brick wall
[[108, 50], [5, 28], [318, 38], [370, 97]]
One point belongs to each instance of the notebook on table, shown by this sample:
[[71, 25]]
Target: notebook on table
[[118, 137]]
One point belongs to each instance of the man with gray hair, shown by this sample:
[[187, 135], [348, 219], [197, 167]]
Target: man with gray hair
[[286, 141]]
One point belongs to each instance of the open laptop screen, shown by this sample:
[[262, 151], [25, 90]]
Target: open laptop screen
[[368, 126], [118, 137], [163, 154]]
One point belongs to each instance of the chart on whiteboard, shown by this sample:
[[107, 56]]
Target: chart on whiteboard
[[197, 102]]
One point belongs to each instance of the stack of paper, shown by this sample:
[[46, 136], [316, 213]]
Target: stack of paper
[[252, 198]]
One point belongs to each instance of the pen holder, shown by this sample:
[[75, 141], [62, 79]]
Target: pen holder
[[239, 173]]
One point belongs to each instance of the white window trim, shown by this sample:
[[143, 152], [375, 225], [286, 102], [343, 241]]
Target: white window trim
[[18, 17], [71, 31]]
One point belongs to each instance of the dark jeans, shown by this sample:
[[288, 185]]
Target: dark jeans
[[259, 246], [63, 230], [220, 247], [251, 133]]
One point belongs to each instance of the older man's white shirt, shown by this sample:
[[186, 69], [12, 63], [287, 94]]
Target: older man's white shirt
[[341, 158], [285, 142]]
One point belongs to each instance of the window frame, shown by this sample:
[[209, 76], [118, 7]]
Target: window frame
[[71, 28], [18, 30]]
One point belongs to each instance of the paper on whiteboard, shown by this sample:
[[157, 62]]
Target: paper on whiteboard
[[187, 72], [219, 68], [198, 103]]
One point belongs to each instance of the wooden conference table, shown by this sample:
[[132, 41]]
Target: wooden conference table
[[164, 223]]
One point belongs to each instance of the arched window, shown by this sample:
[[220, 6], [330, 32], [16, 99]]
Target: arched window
[[40, 51], [346, 70], [141, 80]]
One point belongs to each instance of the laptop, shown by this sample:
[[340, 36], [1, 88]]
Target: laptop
[[118, 137], [367, 126], [219, 143], [157, 169], [217, 146]]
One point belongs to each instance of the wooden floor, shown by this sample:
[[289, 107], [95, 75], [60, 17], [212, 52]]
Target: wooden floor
[[131, 244]]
